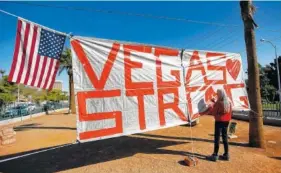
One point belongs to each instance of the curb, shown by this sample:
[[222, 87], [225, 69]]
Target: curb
[[266, 120]]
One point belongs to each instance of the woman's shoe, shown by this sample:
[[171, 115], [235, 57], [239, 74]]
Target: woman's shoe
[[213, 157], [225, 157]]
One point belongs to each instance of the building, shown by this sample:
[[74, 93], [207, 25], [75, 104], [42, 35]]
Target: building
[[58, 85]]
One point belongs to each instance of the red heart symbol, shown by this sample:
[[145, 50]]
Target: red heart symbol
[[233, 67]]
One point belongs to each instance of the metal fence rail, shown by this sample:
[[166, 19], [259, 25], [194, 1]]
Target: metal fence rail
[[271, 110], [38, 109]]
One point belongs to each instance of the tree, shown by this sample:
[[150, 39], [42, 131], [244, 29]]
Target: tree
[[268, 91], [7, 91], [56, 95], [8, 86], [2, 72], [39, 98], [256, 136], [66, 64], [271, 72]]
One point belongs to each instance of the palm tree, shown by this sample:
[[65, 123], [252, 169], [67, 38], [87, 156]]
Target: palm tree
[[256, 133], [2, 72], [66, 64]]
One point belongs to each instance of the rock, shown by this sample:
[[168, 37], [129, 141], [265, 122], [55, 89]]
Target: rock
[[191, 161], [7, 130], [3, 138], [272, 142], [7, 135], [9, 140], [231, 136]]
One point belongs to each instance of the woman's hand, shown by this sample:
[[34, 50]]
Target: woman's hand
[[210, 108], [213, 100]]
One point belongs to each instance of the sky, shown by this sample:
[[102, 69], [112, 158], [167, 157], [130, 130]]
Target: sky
[[160, 32]]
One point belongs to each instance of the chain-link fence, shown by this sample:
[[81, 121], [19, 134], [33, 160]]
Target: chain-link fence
[[24, 110], [271, 109]]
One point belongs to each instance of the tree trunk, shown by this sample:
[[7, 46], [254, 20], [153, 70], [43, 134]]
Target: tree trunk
[[71, 95], [256, 136], [69, 89]]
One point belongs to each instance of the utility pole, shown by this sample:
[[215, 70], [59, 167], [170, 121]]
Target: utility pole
[[256, 136]]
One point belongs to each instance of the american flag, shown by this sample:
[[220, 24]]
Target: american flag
[[36, 56]]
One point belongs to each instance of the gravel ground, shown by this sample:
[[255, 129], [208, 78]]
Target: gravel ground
[[157, 151]]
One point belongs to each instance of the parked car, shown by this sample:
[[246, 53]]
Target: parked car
[[5, 115], [21, 110], [31, 107], [11, 112], [50, 105]]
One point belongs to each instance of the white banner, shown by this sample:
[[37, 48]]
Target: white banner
[[205, 72], [123, 88]]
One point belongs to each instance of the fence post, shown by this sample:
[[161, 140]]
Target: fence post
[[279, 112]]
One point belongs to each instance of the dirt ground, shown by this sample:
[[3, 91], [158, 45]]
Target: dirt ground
[[160, 151]]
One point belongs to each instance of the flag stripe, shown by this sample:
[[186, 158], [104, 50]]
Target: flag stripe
[[27, 54], [54, 75], [35, 74], [35, 61], [22, 31], [49, 73], [40, 62], [45, 72], [42, 71], [31, 54], [26, 34], [16, 52]]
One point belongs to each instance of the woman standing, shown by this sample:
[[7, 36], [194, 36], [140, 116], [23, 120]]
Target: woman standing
[[222, 111]]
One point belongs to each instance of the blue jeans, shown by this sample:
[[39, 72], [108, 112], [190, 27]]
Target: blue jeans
[[221, 128]]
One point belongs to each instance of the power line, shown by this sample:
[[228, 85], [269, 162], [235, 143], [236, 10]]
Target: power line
[[227, 43], [132, 14], [221, 39], [268, 16], [208, 36], [124, 13]]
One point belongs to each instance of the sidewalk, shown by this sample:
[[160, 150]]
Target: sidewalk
[[158, 151]]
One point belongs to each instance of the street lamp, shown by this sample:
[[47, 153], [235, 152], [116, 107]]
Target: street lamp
[[277, 64]]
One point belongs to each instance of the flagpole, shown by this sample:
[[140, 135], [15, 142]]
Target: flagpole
[[19, 101], [18, 93]]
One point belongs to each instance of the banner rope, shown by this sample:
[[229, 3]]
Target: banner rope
[[42, 26], [189, 117]]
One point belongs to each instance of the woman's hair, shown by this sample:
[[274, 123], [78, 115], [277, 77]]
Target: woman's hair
[[224, 100]]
